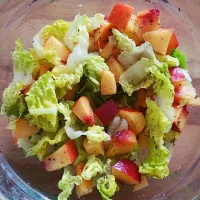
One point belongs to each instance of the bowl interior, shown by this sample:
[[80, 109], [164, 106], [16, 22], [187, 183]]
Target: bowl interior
[[23, 19]]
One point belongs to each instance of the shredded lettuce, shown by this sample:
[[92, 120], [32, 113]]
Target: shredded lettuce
[[156, 163], [67, 183], [58, 29], [130, 53], [80, 27], [43, 104], [107, 186], [95, 22], [82, 155], [42, 145], [93, 70], [13, 102], [47, 140], [176, 53], [94, 134], [43, 53], [124, 42], [64, 81], [77, 38], [23, 64], [171, 136], [93, 166], [134, 75], [162, 86], [169, 60]]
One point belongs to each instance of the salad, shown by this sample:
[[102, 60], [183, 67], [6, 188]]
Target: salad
[[102, 98]]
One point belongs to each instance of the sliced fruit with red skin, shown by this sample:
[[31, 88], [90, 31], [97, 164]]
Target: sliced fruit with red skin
[[135, 119], [93, 45], [70, 95], [107, 112], [64, 156], [102, 33], [126, 172], [159, 39], [122, 142], [120, 15], [147, 20], [144, 183], [83, 110], [26, 88], [93, 148], [194, 102], [130, 31], [177, 76], [106, 51], [86, 186], [182, 92], [23, 130], [173, 44], [181, 116], [61, 49], [115, 67], [108, 83], [43, 69]]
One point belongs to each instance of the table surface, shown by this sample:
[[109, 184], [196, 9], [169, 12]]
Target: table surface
[[190, 7]]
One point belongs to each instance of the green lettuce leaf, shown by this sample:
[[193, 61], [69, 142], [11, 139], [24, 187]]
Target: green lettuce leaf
[[162, 86], [58, 29], [171, 136], [23, 64], [93, 70], [13, 101], [124, 42], [169, 60], [64, 81], [94, 22], [176, 53], [94, 134], [135, 75], [82, 155], [51, 56], [43, 104], [42, 145], [67, 183], [107, 187], [80, 27], [92, 167], [43, 53], [156, 163], [47, 140]]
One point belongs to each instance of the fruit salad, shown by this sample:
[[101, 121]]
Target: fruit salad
[[102, 98]]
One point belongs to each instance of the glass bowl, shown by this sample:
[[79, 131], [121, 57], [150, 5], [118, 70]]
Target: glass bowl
[[22, 178]]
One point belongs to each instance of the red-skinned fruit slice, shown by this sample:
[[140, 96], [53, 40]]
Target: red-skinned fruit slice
[[64, 156], [83, 110], [107, 112], [120, 15], [23, 130], [122, 142], [181, 116], [177, 76], [147, 20], [135, 119], [126, 172]]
